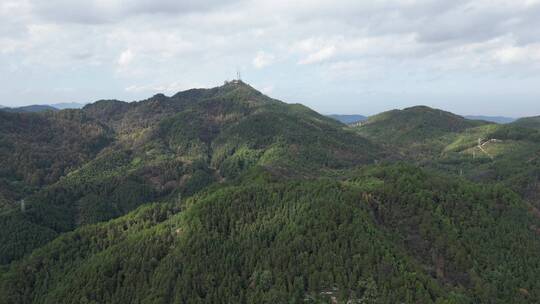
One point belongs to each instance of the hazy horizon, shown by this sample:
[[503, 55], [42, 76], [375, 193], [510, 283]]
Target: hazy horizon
[[337, 57]]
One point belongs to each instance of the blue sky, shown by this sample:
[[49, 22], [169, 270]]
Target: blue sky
[[341, 56]]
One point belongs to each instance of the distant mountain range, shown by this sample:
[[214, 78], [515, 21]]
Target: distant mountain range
[[496, 119], [344, 118], [41, 108], [348, 119], [68, 105], [30, 109], [352, 118]]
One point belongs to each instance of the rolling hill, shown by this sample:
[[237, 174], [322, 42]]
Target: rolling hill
[[416, 132], [413, 124], [528, 122], [478, 150]]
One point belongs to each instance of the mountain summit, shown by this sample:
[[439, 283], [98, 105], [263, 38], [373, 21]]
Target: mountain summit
[[415, 123], [156, 148], [225, 195]]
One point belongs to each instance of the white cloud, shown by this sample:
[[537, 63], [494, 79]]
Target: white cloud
[[532, 2], [319, 56], [517, 54], [178, 43], [114, 11], [510, 54], [263, 59], [125, 58], [167, 88]]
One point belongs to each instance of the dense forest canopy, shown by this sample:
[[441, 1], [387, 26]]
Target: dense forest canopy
[[226, 195]]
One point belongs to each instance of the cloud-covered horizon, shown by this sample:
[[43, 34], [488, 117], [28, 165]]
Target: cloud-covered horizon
[[345, 56]]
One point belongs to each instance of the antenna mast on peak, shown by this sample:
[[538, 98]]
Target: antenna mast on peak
[[238, 75]]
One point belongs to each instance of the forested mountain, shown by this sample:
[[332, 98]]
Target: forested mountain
[[417, 132], [414, 124], [38, 149], [528, 122], [226, 195], [122, 155], [482, 151]]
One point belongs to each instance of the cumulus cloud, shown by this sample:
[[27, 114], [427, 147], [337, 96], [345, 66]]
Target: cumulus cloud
[[167, 88], [344, 30], [320, 55], [263, 59], [126, 57], [516, 54], [114, 11], [204, 41]]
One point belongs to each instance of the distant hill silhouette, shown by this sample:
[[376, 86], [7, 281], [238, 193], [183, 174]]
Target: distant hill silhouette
[[348, 119], [68, 105], [496, 119], [30, 109]]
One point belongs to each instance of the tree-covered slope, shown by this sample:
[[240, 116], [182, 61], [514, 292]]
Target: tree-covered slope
[[414, 124], [380, 235], [481, 151], [528, 122], [225, 195], [166, 147], [497, 153], [417, 131], [36, 149]]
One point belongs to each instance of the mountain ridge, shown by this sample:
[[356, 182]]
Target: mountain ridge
[[226, 195], [164, 146]]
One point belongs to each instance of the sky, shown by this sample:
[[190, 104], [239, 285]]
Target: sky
[[339, 56]]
